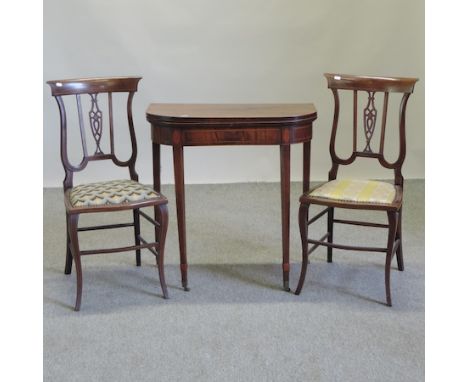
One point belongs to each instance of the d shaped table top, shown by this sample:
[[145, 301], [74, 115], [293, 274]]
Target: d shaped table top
[[192, 113]]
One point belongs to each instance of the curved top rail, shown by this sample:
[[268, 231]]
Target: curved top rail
[[93, 85], [369, 83]]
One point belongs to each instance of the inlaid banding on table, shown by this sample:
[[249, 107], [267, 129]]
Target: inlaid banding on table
[[204, 135], [231, 137]]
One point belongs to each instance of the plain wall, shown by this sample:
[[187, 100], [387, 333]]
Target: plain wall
[[243, 51]]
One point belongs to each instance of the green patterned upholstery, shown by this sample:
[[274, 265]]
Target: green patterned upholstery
[[110, 192]]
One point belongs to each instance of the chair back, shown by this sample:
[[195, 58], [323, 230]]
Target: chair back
[[94, 120], [370, 86]]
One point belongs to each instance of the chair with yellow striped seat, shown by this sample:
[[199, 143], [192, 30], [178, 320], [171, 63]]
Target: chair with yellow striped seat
[[356, 193]]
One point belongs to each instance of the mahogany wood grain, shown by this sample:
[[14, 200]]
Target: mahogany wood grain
[[214, 113], [285, 166], [93, 87], [339, 83], [178, 153], [180, 125], [370, 83], [306, 166]]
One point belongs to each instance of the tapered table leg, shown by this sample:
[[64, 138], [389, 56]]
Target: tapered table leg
[[306, 172], [178, 155], [306, 167], [285, 159], [157, 178], [157, 167]]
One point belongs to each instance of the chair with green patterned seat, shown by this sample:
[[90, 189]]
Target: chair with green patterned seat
[[361, 194], [105, 196]]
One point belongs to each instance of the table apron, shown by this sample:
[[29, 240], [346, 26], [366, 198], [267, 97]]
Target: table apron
[[207, 136]]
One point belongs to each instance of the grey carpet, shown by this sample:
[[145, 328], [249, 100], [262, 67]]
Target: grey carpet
[[236, 324]]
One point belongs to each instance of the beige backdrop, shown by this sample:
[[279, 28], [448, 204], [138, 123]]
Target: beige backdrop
[[241, 51]]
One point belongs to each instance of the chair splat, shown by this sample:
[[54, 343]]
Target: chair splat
[[95, 121], [370, 120]]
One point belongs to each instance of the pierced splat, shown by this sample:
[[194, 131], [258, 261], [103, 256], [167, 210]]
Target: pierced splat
[[95, 121], [370, 119]]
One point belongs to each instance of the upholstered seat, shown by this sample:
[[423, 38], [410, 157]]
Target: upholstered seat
[[355, 190], [110, 192]]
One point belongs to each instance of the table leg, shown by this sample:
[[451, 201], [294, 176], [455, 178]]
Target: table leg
[[306, 167], [157, 167], [178, 155], [157, 177], [306, 172], [285, 159]]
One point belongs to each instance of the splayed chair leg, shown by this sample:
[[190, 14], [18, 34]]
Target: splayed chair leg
[[303, 228], [136, 230], [392, 224], [75, 250], [68, 256], [161, 216]]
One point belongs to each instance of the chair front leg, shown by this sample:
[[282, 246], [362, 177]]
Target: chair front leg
[[162, 217], [136, 230], [392, 229], [303, 228], [75, 250]]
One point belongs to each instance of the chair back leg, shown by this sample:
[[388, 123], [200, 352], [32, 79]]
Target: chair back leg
[[136, 230], [75, 250]]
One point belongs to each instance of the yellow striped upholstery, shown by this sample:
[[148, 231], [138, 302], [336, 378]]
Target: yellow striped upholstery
[[110, 192], [359, 191]]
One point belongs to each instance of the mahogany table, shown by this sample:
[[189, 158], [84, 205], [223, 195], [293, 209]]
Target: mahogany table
[[180, 125]]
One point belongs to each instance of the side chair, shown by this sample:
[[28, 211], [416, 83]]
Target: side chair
[[105, 196], [361, 194]]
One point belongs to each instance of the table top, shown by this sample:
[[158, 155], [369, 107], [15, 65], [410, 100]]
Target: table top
[[202, 112]]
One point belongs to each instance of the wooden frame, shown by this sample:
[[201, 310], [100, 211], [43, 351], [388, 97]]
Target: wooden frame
[[180, 125], [93, 87], [371, 85]]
